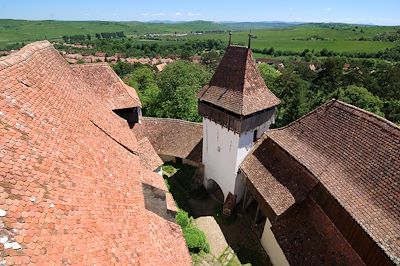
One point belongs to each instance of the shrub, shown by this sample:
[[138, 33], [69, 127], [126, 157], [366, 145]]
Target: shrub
[[195, 240], [194, 237], [182, 218]]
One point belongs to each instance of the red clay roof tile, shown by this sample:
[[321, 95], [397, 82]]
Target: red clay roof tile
[[356, 157], [72, 188], [172, 137], [308, 237], [237, 85], [107, 85]]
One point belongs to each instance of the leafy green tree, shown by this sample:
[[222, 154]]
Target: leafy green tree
[[269, 74], [122, 68], [144, 81], [331, 75], [360, 97], [295, 95], [391, 109], [211, 59], [179, 83]]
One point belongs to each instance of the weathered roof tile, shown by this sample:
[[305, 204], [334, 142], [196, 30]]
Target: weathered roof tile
[[107, 85], [237, 85], [70, 178]]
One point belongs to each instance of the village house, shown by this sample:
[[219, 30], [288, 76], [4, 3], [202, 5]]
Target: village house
[[80, 168]]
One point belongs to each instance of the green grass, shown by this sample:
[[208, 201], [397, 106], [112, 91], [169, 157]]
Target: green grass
[[180, 184], [337, 37], [287, 39]]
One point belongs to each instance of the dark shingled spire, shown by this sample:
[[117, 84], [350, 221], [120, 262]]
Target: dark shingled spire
[[237, 85]]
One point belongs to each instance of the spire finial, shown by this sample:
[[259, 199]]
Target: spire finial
[[250, 36], [230, 38]]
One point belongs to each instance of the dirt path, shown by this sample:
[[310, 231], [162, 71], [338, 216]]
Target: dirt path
[[213, 233]]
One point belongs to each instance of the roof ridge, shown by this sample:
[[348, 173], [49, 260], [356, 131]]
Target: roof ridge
[[330, 102], [89, 64], [23, 54], [172, 119], [370, 114], [108, 68], [341, 104]]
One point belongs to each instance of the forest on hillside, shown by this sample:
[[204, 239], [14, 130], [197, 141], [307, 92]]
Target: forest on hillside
[[371, 85]]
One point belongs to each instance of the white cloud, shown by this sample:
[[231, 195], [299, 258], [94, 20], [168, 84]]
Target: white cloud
[[327, 9], [144, 14], [158, 14], [193, 14], [178, 14], [290, 8]]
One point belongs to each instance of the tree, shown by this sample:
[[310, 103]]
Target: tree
[[328, 80], [211, 59], [179, 83], [122, 68], [295, 95], [269, 74], [144, 81], [391, 109], [360, 97]]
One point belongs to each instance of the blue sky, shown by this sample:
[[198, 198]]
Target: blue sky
[[382, 12]]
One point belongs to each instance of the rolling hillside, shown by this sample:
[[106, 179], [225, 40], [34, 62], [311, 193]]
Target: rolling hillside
[[281, 36]]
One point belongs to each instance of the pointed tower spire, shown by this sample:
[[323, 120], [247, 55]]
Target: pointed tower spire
[[250, 36], [230, 38]]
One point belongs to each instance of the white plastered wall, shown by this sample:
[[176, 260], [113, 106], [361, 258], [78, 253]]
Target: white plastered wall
[[223, 152], [271, 246]]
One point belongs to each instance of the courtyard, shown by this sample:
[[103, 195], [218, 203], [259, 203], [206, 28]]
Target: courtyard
[[238, 229]]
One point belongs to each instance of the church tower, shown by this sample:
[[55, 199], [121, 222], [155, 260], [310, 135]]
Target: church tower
[[237, 107]]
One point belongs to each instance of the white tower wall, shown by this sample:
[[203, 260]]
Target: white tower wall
[[223, 152]]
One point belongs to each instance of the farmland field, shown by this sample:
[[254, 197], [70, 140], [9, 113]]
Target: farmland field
[[284, 37], [293, 39]]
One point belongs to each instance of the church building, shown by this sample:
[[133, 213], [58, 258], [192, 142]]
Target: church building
[[237, 108]]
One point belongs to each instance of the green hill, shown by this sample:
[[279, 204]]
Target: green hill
[[281, 36]]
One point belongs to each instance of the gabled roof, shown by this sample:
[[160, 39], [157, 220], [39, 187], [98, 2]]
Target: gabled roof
[[308, 237], [280, 181], [107, 86], [172, 137], [355, 155], [71, 183], [237, 85], [149, 155]]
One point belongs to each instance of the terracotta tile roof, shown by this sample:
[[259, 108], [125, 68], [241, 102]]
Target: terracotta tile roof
[[173, 137], [356, 156], [148, 155], [308, 237], [237, 85], [280, 181], [107, 85], [70, 179]]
